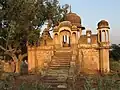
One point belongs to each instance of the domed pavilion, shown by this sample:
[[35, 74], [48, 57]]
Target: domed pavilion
[[70, 51]]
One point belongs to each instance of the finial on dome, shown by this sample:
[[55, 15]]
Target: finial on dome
[[70, 9]]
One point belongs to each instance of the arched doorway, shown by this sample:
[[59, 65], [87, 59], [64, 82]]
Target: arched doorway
[[66, 41], [65, 38]]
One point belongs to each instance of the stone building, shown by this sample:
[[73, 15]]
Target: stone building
[[69, 51]]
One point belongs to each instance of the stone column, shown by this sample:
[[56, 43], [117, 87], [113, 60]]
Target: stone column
[[101, 36], [105, 36], [108, 36], [104, 60], [29, 59], [36, 61], [98, 36], [68, 39]]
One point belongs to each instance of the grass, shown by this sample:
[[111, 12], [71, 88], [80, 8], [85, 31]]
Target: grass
[[102, 83], [105, 82], [115, 65]]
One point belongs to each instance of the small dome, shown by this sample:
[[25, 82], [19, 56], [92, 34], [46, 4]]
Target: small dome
[[73, 18], [103, 24], [65, 23]]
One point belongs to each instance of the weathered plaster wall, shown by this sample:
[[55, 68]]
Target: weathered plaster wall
[[89, 60], [7, 66], [38, 56]]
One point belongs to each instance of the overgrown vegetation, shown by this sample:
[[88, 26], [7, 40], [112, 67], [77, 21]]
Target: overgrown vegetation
[[115, 52], [20, 24], [86, 82], [115, 66], [10, 81], [106, 82]]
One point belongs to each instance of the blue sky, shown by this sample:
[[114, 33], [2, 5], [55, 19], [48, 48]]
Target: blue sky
[[92, 11]]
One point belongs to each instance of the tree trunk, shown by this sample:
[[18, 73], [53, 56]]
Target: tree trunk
[[18, 66], [11, 52], [15, 59], [20, 58]]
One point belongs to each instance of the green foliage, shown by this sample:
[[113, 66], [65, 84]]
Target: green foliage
[[8, 83], [21, 21], [102, 83], [115, 52], [115, 65], [32, 86], [22, 18]]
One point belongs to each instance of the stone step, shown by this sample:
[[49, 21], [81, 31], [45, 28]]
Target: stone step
[[64, 50], [54, 65], [48, 79], [55, 68], [62, 53], [54, 82], [61, 75], [56, 86], [63, 65], [57, 74], [55, 79], [60, 63], [61, 58], [59, 70]]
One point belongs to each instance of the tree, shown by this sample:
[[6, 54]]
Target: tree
[[115, 52], [21, 21]]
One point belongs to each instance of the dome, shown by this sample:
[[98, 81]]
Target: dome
[[65, 23], [103, 24], [74, 19]]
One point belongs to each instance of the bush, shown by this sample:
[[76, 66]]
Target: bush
[[32, 86], [102, 83], [9, 83], [115, 66]]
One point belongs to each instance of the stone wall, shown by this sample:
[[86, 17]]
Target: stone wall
[[6, 66], [38, 57], [89, 60]]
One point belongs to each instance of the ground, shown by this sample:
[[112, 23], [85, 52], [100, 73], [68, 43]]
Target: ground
[[82, 82]]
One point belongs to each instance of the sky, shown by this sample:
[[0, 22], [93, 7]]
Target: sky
[[92, 11]]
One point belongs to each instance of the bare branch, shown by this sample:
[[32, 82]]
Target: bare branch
[[3, 38], [8, 53], [11, 49], [1, 47], [24, 55], [9, 46]]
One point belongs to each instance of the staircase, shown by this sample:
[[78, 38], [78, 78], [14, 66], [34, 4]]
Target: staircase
[[58, 71]]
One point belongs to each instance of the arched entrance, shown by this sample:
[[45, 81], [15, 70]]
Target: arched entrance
[[65, 38], [66, 41]]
